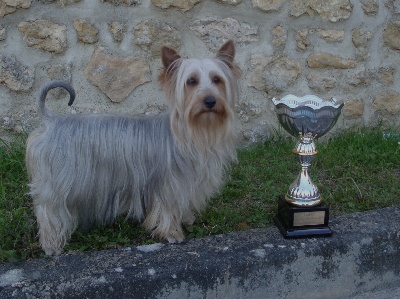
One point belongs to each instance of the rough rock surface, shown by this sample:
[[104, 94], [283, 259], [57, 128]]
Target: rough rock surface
[[280, 36], [273, 74], [268, 5], [388, 102], [151, 35], [331, 10], [214, 32], [325, 60], [183, 5], [14, 74], [10, 6], [116, 76], [87, 32], [117, 30], [354, 108], [331, 35], [391, 35], [44, 35]]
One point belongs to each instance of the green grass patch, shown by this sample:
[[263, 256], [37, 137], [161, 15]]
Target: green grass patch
[[356, 171], [17, 229]]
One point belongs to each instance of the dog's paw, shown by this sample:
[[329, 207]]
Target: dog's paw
[[52, 251], [175, 240], [175, 236]]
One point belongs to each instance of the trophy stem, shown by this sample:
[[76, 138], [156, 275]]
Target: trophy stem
[[303, 192]]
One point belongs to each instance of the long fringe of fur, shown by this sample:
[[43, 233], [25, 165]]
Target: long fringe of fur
[[91, 168], [77, 178]]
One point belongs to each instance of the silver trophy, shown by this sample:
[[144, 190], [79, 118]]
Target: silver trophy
[[301, 212]]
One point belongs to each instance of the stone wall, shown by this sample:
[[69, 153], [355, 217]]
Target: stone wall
[[109, 50]]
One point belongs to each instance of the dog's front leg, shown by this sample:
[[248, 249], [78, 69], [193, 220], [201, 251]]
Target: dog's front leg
[[164, 223]]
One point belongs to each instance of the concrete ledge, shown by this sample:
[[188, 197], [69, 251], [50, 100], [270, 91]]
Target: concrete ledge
[[363, 255]]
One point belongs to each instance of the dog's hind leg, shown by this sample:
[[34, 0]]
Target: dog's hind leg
[[55, 227]]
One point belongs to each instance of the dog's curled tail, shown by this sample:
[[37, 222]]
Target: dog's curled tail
[[54, 84]]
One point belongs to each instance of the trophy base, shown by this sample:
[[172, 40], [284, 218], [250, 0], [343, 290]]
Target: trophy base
[[302, 222]]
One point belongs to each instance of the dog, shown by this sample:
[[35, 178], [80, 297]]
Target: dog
[[159, 170]]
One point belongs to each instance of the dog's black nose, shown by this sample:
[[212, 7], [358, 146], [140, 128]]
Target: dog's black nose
[[210, 102]]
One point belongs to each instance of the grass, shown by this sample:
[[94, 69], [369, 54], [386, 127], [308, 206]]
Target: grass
[[356, 171], [17, 232]]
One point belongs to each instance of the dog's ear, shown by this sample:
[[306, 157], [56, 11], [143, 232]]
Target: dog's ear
[[227, 52], [168, 56]]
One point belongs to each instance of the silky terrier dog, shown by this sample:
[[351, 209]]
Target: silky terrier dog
[[159, 170]]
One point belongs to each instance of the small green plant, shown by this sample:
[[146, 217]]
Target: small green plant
[[356, 170]]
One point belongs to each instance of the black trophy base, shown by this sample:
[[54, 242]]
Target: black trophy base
[[302, 222]]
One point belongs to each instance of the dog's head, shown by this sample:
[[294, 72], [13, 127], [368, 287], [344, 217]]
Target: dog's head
[[201, 93]]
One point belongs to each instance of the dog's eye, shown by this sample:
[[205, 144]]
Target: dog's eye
[[216, 80], [191, 81]]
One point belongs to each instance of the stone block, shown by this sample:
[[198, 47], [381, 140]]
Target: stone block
[[116, 76], [15, 75], [393, 5], [230, 2], [329, 10], [370, 7], [302, 40], [214, 31], [354, 108], [320, 84], [11, 6], [325, 60], [331, 35], [391, 35], [87, 32], [387, 102], [360, 38], [44, 35], [386, 75], [117, 30], [273, 74], [279, 36], [360, 79], [151, 35], [268, 5], [182, 5]]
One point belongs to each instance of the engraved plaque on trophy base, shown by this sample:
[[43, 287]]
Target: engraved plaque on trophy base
[[302, 222]]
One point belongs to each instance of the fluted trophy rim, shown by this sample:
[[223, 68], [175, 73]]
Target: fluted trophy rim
[[311, 101], [319, 115]]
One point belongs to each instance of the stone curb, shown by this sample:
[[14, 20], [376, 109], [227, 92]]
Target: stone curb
[[363, 255]]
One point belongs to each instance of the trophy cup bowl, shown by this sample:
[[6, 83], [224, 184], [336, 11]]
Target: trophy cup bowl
[[306, 118]]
